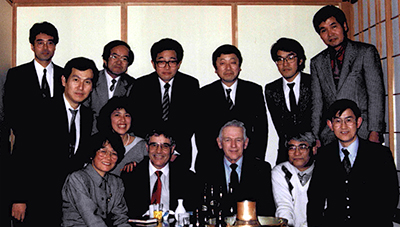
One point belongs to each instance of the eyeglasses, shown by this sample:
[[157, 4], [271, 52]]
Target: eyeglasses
[[289, 59], [302, 148], [349, 121], [115, 57], [164, 146], [162, 64], [103, 154]]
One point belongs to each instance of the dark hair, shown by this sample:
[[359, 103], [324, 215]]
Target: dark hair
[[326, 12], [226, 49], [166, 44], [289, 45], [159, 132], [303, 137], [115, 103], [81, 64], [112, 44], [341, 105], [98, 140], [45, 28]]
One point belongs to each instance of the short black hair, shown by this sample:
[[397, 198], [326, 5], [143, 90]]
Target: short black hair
[[289, 45], [81, 64], [112, 44], [159, 132], [45, 28], [226, 49], [104, 118], [97, 141], [166, 44], [326, 12], [341, 105]]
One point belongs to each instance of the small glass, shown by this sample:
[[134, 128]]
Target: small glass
[[184, 219], [158, 212]]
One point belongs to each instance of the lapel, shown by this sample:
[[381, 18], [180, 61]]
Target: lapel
[[305, 93], [85, 125], [349, 57], [33, 77], [326, 69], [280, 96], [101, 90], [120, 89]]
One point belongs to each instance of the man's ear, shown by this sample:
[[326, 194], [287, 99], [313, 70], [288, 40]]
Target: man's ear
[[219, 142], [63, 80], [153, 64], [329, 123], [359, 122], [246, 143], [346, 29]]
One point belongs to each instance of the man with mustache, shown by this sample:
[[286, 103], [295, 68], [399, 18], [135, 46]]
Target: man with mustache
[[345, 70], [227, 99]]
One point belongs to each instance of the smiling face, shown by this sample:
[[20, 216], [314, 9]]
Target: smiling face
[[44, 48], [78, 86], [345, 127], [105, 159], [299, 154], [332, 33], [166, 73], [227, 68], [120, 121], [288, 70], [232, 142], [160, 150]]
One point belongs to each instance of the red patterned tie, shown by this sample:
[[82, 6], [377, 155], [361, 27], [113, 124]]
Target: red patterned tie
[[156, 195]]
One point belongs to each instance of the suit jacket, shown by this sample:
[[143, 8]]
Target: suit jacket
[[254, 184], [284, 121], [138, 191], [147, 106], [99, 96], [368, 195], [214, 113], [361, 80]]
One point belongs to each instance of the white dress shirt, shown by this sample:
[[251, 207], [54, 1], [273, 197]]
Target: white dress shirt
[[162, 83], [233, 92], [164, 181], [49, 75], [77, 121], [109, 83], [353, 148], [296, 89]]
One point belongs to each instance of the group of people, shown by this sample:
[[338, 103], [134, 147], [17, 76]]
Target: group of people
[[98, 147]]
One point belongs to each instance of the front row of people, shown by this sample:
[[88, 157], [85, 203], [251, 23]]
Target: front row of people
[[350, 182]]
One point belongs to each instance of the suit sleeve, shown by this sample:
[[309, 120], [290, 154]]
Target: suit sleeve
[[316, 197], [317, 100]]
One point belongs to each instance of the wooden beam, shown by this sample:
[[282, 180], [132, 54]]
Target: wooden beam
[[390, 72], [124, 22]]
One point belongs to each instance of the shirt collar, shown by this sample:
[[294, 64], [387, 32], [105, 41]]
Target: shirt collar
[[68, 106], [162, 83], [239, 163], [296, 81], [109, 77], [233, 87], [353, 149], [95, 175], [164, 170]]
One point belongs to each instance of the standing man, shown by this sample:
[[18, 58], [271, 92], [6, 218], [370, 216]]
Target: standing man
[[113, 80], [345, 70], [226, 99], [61, 131], [240, 176], [289, 97], [167, 98], [354, 182], [27, 87]]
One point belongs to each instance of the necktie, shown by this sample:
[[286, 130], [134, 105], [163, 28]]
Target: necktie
[[45, 86], [72, 133], [303, 178], [346, 161], [156, 194], [234, 177], [165, 103], [228, 98], [112, 87], [292, 98]]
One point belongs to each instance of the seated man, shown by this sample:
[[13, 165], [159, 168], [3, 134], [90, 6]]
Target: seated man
[[239, 176], [156, 180], [354, 182], [290, 179], [92, 196]]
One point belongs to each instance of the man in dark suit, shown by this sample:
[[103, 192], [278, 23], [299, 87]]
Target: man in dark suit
[[354, 182], [61, 130], [345, 70], [149, 181], [166, 98], [289, 97], [226, 99], [113, 79], [239, 176], [27, 87]]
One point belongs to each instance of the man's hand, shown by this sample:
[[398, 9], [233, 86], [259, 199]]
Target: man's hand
[[18, 211], [129, 167], [374, 137]]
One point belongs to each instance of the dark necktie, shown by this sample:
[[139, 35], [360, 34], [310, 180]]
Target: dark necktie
[[234, 177], [45, 86], [346, 161], [303, 178], [72, 133], [292, 98], [112, 87], [156, 194], [228, 98], [165, 103]]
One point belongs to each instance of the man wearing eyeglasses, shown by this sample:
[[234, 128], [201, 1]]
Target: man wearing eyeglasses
[[291, 179], [158, 181], [354, 182], [113, 79], [167, 98], [289, 97]]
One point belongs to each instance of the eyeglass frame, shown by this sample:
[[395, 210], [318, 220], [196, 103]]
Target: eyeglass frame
[[167, 63], [103, 154], [349, 121], [163, 146], [289, 59], [302, 148], [115, 57]]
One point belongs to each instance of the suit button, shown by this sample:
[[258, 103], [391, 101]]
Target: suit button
[[102, 198], [346, 181], [347, 198], [348, 207]]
